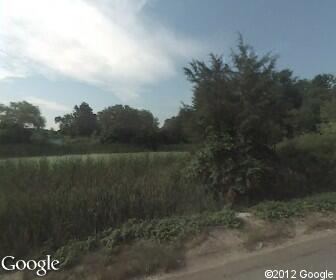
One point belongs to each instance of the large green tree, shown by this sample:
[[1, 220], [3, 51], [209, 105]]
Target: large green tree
[[21, 114], [125, 124], [18, 120], [180, 128], [81, 122], [243, 109]]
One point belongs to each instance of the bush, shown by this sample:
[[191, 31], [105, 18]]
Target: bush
[[157, 230], [275, 210], [308, 164]]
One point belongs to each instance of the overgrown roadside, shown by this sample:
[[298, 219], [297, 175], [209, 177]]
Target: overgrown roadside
[[142, 248]]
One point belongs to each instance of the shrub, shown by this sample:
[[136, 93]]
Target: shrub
[[308, 164], [157, 230], [275, 210]]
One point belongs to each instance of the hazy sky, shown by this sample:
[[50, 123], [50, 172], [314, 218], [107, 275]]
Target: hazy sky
[[58, 53]]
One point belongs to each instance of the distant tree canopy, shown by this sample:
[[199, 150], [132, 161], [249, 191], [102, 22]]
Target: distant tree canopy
[[18, 122], [125, 124], [21, 114], [180, 128], [318, 98], [81, 122]]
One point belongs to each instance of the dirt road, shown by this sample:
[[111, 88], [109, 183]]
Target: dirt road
[[314, 255]]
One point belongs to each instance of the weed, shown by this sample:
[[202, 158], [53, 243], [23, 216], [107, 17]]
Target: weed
[[58, 199]]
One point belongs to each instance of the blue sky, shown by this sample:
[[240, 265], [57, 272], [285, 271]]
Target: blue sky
[[56, 54]]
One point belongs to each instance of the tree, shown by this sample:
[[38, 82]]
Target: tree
[[81, 122], [180, 128], [243, 109], [21, 114], [317, 97], [66, 126], [171, 131], [328, 111], [125, 124], [85, 121], [18, 120]]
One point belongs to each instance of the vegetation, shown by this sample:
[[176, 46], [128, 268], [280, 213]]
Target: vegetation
[[275, 210], [123, 124], [254, 133], [157, 230], [82, 122], [55, 199], [244, 109], [73, 147], [18, 122]]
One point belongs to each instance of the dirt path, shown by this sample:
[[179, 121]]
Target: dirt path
[[316, 252]]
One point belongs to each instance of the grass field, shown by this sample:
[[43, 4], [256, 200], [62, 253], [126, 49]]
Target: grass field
[[98, 156], [49, 201]]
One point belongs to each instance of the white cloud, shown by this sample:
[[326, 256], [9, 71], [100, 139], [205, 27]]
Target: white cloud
[[109, 43], [46, 104]]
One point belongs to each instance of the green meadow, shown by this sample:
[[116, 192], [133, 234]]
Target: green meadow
[[46, 202]]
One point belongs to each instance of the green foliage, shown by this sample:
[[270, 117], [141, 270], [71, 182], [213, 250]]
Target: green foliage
[[82, 122], [180, 128], [21, 114], [80, 146], [18, 121], [318, 96], [14, 135], [54, 200], [124, 124], [159, 230], [207, 164], [275, 210], [328, 111], [243, 110], [236, 174], [175, 229], [241, 98], [307, 164]]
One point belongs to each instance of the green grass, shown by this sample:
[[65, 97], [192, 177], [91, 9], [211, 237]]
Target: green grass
[[76, 146], [276, 210], [166, 230], [80, 147], [173, 230], [45, 202], [98, 156]]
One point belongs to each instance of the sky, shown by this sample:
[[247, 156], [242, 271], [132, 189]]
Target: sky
[[58, 53]]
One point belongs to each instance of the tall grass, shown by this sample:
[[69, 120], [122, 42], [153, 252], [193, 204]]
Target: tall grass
[[80, 148], [53, 200], [48, 149], [310, 163]]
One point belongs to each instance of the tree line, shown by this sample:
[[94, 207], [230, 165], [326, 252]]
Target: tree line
[[114, 124], [22, 122], [247, 100]]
